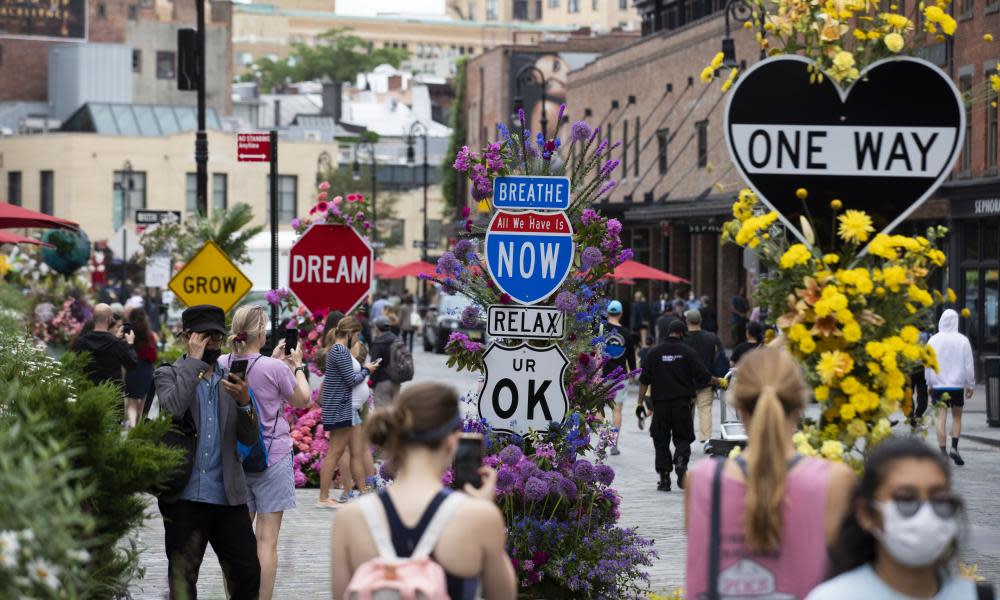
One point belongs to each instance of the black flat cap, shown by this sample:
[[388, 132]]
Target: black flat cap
[[676, 327], [204, 318]]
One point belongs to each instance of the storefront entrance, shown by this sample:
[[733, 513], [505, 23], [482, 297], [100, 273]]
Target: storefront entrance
[[978, 245]]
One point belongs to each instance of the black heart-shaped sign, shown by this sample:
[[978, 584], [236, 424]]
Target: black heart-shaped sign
[[882, 145]]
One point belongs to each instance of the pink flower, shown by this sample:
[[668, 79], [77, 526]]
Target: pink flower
[[325, 185], [322, 207], [321, 196], [338, 199], [355, 198]]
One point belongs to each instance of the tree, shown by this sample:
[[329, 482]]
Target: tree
[[336, 55], [450, 182], [227, 228]]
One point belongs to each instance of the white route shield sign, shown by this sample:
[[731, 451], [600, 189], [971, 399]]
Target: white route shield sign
[[524, 388]]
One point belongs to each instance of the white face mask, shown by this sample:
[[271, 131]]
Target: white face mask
[[916, 541]]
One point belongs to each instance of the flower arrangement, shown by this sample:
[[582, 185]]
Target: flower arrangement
[[60, 327], [310, 326], [350, 209], [309, 443], [851, 315]]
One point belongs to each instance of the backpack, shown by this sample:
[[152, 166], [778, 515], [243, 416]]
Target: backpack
[[389, 577], [400, 367]]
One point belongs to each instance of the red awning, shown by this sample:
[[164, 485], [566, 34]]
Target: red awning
[[7, 237], [382, 268], [13, 216], [633, 270], [413, 269]]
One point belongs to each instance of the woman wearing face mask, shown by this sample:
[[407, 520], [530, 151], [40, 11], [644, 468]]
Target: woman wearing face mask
[[901, 532]]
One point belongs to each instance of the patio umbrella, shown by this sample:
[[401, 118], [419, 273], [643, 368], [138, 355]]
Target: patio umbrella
[[13, 216], [634, 270], [12, 238], [413, 269], [382, 268]]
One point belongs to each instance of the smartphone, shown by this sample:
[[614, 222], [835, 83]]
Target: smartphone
[[126, 328], [468, 459], [377, 361], [239, 368], [291, 340]]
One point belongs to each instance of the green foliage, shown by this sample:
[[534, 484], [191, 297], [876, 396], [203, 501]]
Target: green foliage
[[85, 419], [337, 55], [453, 196]]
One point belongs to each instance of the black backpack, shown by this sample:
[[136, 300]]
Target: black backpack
[[400, 369]]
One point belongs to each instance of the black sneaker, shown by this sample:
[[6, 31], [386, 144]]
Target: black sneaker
[[663, 486], [955, 456], [640, 413], [680, 478]]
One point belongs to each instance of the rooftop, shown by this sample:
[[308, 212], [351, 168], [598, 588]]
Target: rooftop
[[140, 120]]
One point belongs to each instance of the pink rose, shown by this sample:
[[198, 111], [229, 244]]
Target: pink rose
[[325, 185], [321, 196], [337, 199]]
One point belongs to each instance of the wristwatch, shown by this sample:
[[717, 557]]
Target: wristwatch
[[302, 368]]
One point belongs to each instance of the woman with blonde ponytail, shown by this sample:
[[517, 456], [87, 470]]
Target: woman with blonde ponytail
[[778, 511]]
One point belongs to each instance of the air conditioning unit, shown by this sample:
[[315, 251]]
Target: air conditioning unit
[[313, 136]]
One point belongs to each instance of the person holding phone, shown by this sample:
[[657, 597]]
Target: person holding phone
[[421, 433], [338, 411], [110, 348], [275, 380], [212, 507]]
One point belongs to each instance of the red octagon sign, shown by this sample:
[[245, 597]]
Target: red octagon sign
[[331, 268]]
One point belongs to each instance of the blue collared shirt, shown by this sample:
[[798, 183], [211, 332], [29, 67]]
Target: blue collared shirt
[[206, 483]]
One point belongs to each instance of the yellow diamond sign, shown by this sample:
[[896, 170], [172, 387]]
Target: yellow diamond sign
[[210, 278]]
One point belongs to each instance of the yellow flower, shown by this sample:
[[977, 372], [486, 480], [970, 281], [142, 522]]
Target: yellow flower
[[852, 332], [805, 449], [920, 295], [797, 254], [822, 393], [836, 204], [894, 42], [859, 35], [857, 428], [897, 22], [707, 74], [934, 14], [832, 450], [844, 66], [807, 345], [894, 277], [850, 385], [951, 295], [987, 37], [855, 225], [717, 60], [949, 25], [966, 313], [802, 193], [882, 430], [910, 334], [995, 83], [834, 365], [831, 259]]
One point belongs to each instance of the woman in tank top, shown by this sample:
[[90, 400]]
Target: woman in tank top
[[779, 512], [420, 433]]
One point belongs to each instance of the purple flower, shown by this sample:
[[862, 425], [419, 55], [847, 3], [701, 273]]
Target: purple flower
[[607, 187], [470, 316], [605, 474], [482, 187], [463, 247], [520, 116], [588, 216], [272, 297], [562, 111], [300, 479], [506, 479], [608, 167], [566, 301], [360, 216], [296, 223], [595, 133], [566, 488], [511, 455], [614, 227], [527, 469], [466, 211], [463, 159], [590, 257], [494, 160], [601, 147], [624, 255], [584, 471], [535, 489], [448, 265]]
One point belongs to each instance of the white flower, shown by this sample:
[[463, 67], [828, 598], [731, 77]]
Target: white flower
[[44, 573], [78, 555], [26, 535], [9, 546]]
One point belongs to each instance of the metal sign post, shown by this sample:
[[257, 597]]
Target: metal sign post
[[274, 234]]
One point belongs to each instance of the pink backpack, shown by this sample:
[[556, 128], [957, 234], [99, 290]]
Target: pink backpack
[[388, 577]]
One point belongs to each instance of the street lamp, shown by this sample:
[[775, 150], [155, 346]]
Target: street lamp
[[529, 72], [418, 129], [356, 176], [125, 186], [741, 12]]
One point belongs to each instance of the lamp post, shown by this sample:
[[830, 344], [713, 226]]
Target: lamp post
[[356, 176], [201, 138], [418, 129], [741, 12], [125, 186], [523, 73]]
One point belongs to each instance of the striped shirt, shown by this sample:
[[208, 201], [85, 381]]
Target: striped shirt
[[340, 377]]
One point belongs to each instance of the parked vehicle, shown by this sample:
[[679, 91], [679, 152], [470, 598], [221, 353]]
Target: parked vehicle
[[444, 318]]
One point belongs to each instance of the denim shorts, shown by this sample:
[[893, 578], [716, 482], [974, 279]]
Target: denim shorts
[[356, 418], [273, 490]]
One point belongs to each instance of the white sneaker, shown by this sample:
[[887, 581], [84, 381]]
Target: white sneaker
[[705, 447]]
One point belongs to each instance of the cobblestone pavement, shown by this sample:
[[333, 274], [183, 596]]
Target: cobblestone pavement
[[304, 542]]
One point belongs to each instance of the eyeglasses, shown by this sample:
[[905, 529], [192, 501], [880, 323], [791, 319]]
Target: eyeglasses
[[945, 507], [215, 337]]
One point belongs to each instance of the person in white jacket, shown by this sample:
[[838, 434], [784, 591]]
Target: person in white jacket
[[953, 383]]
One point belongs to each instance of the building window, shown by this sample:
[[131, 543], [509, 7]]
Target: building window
[[625, 149], [992, 6], [133, 13], [622, 4], [573, 6], [165, 65], [136, 60], [287, 198], [702, 128], [491, 10], [220, 191], [434, 230], [635, 145], [662, 138], [965, 87], [191, 193], [594, 5], [14, 187], [967, 6], [521, 10], [47, 196], [991, 129], [1, 55], [553, 3], [472, 10], [129, 195], [102, 11]]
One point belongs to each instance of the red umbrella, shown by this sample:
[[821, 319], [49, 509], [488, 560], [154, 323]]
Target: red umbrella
[[12, 238], [413, 269], [13, 216], [382, 268], [633, 270]]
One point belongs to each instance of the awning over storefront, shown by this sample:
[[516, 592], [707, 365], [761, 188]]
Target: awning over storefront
[[717, 205]]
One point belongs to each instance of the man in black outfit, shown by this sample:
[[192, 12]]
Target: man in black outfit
[[110, 351], [675, 374]]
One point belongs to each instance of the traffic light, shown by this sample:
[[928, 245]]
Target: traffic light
[[187, 59]]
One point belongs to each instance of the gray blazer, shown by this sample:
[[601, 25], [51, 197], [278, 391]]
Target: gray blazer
[[177, 391]]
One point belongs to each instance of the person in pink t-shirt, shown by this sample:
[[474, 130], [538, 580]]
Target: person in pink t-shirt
[[779, 512], [274, 380]]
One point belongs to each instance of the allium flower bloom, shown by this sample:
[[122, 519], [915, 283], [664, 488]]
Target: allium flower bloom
[[566, 301], [470, 316], [566, 488], [584, 471], [448, 265], [506, 479], [511, 455], [614, 227], [535, 489], [605, 474], [590, 257]]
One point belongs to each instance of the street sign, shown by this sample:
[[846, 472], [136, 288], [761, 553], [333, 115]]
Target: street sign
[[145, 218], [531, 193], [524, 322], [524, 388], [420, 244], [158, 270], [331, 268], [529, 254], [210, 278], [883, 144], [253, 147]]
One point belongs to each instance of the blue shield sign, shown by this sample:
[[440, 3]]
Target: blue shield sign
[[529, 254], [531, 193]]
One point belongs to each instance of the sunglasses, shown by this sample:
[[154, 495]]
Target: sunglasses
[[945, 507], [215, 337]]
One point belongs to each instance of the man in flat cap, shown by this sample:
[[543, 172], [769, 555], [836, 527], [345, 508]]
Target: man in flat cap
[[212, 508]]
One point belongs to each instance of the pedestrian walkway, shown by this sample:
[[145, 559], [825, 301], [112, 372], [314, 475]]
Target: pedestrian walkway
[[974, 425]]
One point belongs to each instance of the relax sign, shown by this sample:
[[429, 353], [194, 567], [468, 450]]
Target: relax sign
[[882, 144]]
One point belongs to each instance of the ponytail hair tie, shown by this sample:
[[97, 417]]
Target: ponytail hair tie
[[240, 337]]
